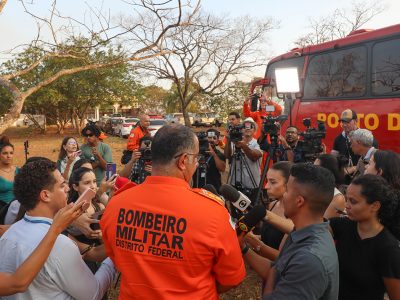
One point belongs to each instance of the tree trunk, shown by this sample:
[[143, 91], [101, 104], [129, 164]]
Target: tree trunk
[[186, 116]]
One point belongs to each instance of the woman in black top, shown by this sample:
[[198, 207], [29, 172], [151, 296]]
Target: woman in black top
[[367, 242], [277, 177]]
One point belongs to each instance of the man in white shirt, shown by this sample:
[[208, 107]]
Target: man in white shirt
[[42, 190], [245, 157]]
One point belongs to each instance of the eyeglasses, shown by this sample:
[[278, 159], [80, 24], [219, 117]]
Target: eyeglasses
[[88, 135], [72, 143], [196, 155]]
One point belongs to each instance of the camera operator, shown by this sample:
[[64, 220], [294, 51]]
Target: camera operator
[[245, 174], [265, 99], [214, 161], [139, 167], [289, 146]]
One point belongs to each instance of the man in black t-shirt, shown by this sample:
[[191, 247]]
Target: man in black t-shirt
[[341, 144], [214, 163]]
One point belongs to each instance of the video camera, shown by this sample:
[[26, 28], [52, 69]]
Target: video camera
[[271, 126], [235, 133], [312, 140], [146, 152], [203, 142]]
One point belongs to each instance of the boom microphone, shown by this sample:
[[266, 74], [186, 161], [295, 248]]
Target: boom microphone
[[238, 199], [248, 221]]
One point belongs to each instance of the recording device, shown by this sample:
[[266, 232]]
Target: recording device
[[246, 223], [111, 170], [146, 151], [254, 101], [86, 197], [211, 188], [97, 216], [235, 133], [77, 153], [238, 199], [311, 144], [271, 125], [203, 142]]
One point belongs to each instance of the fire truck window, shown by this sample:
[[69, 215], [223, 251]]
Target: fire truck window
[[337, 74], [385, 78]]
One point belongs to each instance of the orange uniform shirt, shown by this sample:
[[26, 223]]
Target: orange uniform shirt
[[256, 115], [134, 138], [170, 242]]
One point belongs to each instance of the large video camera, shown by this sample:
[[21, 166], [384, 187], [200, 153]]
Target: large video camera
[[235, 133], [271, 126], [311, 145]]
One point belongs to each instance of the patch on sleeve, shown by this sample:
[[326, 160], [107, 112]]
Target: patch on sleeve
[[132, 135], [209, 195]]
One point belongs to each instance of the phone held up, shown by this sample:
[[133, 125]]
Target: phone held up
[[111, 170], [86, 197]]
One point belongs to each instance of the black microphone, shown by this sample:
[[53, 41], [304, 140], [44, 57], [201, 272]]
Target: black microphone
[[238, 199], [248, 221], [211, 188]]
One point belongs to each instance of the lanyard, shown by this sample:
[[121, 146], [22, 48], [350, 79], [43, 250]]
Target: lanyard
[[37, 221]]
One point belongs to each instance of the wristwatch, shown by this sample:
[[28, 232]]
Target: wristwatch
[[245, 249]]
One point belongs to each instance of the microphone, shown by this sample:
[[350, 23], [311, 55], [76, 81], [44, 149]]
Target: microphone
[[248, 221], [238, 199], [211, 188]]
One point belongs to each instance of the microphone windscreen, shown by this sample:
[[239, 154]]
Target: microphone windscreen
[[229, 193], [255, 215], [211, 188]]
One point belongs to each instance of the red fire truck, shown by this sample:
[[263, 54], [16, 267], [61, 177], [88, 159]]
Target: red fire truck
[[360, 71]]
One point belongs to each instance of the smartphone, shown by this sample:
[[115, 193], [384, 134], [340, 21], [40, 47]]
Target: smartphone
[[86, 197], [111, 169], [97, 216], [77, 153]]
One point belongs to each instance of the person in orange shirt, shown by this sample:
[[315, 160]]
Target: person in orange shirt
[[257, 115], [168, 240], [138, 132]]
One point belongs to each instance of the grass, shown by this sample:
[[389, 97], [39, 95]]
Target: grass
[[48, 145]]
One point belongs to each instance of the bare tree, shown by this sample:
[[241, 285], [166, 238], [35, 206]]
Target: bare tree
[[144, 38], [341, 22], [209, 53]]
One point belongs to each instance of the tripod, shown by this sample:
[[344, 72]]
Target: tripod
[[200, 177], [238, 160], [273, 147]]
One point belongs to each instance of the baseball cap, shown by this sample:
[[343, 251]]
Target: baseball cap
[[102, 136], [348, 115]]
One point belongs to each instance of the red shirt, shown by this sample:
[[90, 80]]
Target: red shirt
[[170, 242]]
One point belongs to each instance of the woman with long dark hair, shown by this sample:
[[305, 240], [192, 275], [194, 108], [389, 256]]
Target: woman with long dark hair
[[68, 156], [367, 242], [385, 163], [7, 171]]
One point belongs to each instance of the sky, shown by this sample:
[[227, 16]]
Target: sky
[[17, 27]]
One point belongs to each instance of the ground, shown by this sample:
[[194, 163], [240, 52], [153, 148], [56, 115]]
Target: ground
[[48, 145]]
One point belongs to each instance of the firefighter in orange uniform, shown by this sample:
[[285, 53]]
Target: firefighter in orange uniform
[[137, 133], [168, 240], [257, 115]]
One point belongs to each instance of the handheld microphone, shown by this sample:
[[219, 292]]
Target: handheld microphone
[[238, 199], [211, 188], [248, 221]]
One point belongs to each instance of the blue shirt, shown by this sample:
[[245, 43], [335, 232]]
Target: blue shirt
[[307, 267]]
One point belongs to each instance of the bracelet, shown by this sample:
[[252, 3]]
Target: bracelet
[[86, 250], [287, 149], [245, 249]]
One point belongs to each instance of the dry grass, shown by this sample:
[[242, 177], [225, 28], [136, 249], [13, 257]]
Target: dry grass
[[48, 145]]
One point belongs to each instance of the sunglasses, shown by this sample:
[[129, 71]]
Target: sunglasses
[[88, 135]]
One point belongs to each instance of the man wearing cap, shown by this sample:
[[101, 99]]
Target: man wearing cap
[[245, 173], [341, 145]]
